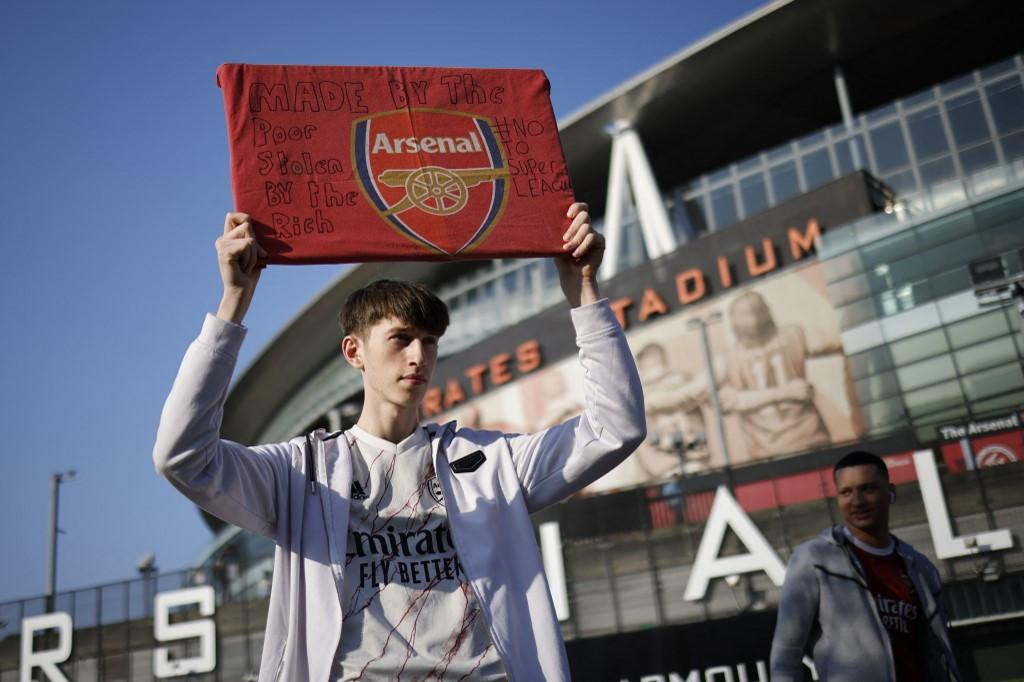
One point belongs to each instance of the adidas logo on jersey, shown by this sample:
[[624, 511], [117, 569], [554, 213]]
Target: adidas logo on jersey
[[357, 491]]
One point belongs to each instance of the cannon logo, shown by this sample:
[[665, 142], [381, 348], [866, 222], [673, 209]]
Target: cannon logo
[[994, 455], [438, 177]]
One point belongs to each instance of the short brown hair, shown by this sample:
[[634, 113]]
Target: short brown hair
[[410, 302]]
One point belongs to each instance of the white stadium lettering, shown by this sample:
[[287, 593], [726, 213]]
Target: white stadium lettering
[[203, 630], [45, 660]]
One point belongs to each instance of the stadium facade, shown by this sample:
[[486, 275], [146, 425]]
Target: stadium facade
[[795, 207]]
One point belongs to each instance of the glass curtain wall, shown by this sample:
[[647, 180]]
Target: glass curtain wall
[[922, 350], [945, 145], [960, 139]]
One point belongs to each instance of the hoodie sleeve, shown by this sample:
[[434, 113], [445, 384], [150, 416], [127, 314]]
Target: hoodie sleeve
[[798, 613], [237, 484], [561, 460]]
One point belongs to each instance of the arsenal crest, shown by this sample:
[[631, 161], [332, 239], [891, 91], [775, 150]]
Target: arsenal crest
[[440, 178], [434, 486]]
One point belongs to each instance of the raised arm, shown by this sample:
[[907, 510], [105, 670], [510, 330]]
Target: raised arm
[[556, 462], [238, 255], [584, 249], [237, 484]]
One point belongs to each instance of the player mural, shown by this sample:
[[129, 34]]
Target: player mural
[[783, 383]]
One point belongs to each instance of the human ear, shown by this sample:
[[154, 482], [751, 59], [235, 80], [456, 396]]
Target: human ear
[[892, 493], [352, 351]]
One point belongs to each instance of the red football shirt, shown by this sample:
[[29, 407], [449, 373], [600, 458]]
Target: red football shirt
[[898, 606]]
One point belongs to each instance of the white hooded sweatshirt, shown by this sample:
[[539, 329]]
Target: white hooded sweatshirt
[[297, 493]]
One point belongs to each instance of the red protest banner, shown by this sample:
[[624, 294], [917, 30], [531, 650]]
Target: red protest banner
[[341, 164]]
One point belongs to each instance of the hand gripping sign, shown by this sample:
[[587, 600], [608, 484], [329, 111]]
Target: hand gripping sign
[[343, 164]]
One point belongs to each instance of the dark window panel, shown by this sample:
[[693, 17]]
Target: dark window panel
[[977, 328], [901, 182], [899, 245], [950, 282], [510, 281], [896, 273], [978, 158], [1013, 146], [844, 156], [919, 347], [1016, 324], [945, 229], [939, 170], [933, 398], [902, 298], [1000, 210], [689, 215], [1006, 237], [998, 404], [723, 205], [889, 147], [817, 168], [927, 134], [754, 194], [946, 192], [967, 120], [784, 181], [951, 254], [991, 382], [1006, 100], [951, 414], [986, 354]]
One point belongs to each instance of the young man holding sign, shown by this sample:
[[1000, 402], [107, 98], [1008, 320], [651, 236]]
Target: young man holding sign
[[402, 549]]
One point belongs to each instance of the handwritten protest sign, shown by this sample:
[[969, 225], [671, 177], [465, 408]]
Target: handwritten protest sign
[[342, 164]]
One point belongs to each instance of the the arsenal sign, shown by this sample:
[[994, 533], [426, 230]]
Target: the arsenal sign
[[340, 164]]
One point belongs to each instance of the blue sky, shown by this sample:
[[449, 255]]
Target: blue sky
[[113, 186]]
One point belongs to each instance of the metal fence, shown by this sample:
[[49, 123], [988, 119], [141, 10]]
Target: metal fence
[[628, 556], [113, 628]]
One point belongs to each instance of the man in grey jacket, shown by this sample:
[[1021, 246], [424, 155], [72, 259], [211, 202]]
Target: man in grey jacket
[[864, 605], [402, 550]]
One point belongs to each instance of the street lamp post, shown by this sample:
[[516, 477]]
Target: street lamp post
[[55, 481], [148, 570]]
